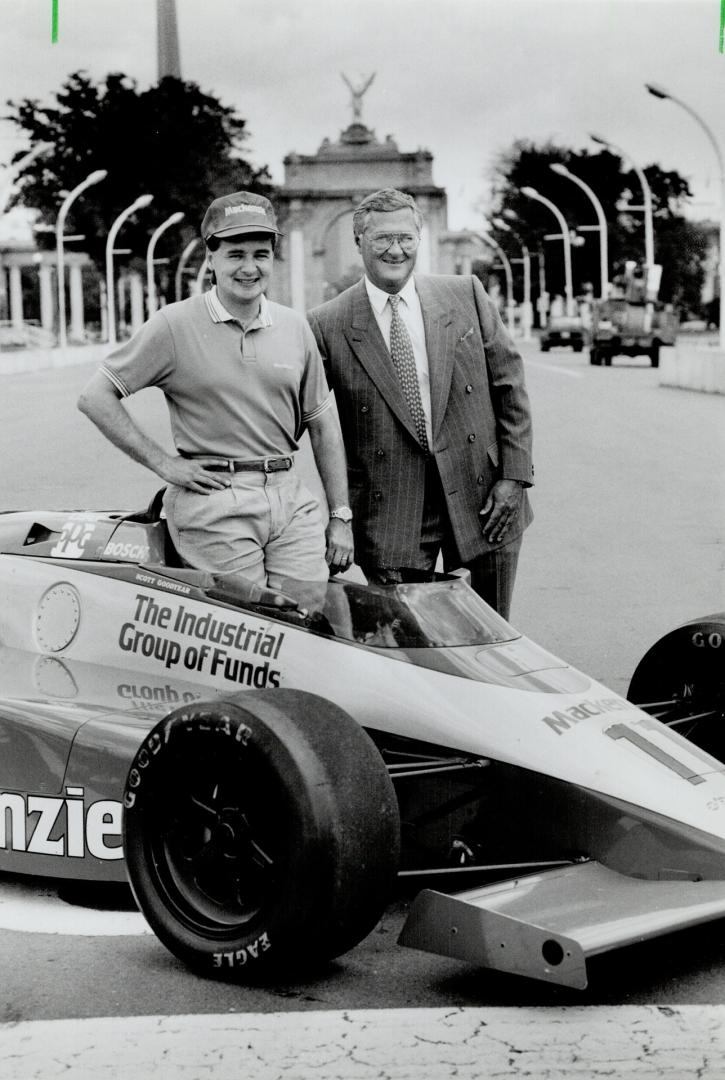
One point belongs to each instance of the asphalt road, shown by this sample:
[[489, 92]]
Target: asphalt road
[[627, 542]]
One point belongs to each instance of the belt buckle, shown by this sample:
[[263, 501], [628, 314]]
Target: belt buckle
[[230, 465], [266, 466]]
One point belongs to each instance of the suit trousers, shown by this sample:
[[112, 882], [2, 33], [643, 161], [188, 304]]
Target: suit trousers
[[493, 573]]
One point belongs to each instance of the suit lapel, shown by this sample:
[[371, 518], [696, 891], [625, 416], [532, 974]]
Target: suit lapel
[[440, 342], [364, 338]]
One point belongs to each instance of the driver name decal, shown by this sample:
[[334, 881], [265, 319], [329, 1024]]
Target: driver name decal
[[64, 827], [561, 720], [178, 637]]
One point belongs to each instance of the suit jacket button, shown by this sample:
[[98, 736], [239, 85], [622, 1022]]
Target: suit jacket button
[[479, 479], [469, 389], [380, 453], [364, 408], [377, 494], [471, 438]]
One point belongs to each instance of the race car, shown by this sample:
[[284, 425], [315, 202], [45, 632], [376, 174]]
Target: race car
[[262, 766]]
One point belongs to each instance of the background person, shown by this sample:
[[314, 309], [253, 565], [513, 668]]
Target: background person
[[243, 379], [434, 411]]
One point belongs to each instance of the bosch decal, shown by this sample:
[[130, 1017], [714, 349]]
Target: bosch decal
[[134, 552], [64, 827]]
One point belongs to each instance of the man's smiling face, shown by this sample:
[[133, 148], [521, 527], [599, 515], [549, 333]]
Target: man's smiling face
[[243, 268], [389, 247]]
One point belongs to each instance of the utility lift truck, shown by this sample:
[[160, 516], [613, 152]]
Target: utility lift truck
[[634, 324]]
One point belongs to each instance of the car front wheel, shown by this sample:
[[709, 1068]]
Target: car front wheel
[[261, 833]]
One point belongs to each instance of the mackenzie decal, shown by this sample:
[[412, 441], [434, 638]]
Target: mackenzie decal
[[43, 825], [565, 719], [216, 639]]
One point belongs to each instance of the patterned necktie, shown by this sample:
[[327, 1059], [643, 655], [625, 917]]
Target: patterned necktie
[[401, 351]]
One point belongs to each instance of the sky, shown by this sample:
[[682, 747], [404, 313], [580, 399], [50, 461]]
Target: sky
[[461, 78]]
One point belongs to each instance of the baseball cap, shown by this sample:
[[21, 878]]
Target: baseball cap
[[240, 212]]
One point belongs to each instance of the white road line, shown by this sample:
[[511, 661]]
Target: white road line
[[556, 367], [37, 910], [581, 1043]]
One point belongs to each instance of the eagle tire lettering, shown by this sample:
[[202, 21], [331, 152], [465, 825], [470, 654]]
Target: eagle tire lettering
[[239, 957]]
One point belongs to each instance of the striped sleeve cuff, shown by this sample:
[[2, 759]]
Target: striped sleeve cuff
[[117, 382], [323, 407]]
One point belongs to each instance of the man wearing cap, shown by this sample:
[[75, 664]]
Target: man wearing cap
[[243, 379]]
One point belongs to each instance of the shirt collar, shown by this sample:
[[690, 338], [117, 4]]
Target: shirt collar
[[218, 313], [379, 298]]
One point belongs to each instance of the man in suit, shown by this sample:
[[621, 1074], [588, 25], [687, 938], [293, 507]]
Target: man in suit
[[434, 412]]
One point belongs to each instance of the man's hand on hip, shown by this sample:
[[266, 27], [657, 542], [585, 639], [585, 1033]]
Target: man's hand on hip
[[501, 509], [340, 547], [192, 473]]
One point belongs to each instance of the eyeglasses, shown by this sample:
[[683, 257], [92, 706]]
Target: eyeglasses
[[383, 241]]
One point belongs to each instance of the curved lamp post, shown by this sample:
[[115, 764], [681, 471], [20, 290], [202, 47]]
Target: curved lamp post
[[92, 178], [662, 94], [138, 204], [509, 279], [526, 262], [174, 219], [649, 248], [183, 260], [532, 193], [601, 228]]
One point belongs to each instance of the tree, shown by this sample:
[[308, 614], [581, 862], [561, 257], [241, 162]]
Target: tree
[[171, 140], [680, 246]]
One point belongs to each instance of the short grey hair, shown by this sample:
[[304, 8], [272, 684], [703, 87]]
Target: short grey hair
[[386, 200]]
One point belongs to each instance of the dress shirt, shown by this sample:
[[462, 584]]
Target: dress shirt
[[412, 316]]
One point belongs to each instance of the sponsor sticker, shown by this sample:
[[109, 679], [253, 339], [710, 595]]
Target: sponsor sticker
[[63, 827], [179, 638]]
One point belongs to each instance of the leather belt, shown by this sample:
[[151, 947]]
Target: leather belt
[[267, 465]]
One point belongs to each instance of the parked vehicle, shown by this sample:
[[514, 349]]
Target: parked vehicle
[[563, 332], [262, 771]]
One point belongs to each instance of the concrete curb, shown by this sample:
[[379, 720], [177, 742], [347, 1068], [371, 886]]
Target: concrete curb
[[663, 1042], [21, 361], [692, 367]]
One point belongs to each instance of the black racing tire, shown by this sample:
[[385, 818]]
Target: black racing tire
[[654, 356], [578, 346], [544, 346], [681, 681], [261, 833], [595, 356]]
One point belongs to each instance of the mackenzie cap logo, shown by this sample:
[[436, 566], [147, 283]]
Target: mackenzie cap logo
[[239, 213]]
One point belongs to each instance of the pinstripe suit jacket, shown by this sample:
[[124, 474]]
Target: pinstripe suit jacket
[[480, 416]]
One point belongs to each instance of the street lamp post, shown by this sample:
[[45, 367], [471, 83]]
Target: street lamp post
[[174, 219], [526, 262], [181, 265], [601, 228], [532, 193], [659, 92], [92, 178], [138, 204], [509, 280], [649, 249]]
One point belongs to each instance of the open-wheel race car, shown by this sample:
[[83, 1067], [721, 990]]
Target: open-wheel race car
[[262, 766]]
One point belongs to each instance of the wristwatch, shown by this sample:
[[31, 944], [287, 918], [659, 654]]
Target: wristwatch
[[344, 513]]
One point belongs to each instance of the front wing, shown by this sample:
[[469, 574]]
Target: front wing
[[546, 925]]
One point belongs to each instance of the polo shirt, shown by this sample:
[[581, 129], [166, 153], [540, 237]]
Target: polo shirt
[[231, 392]]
